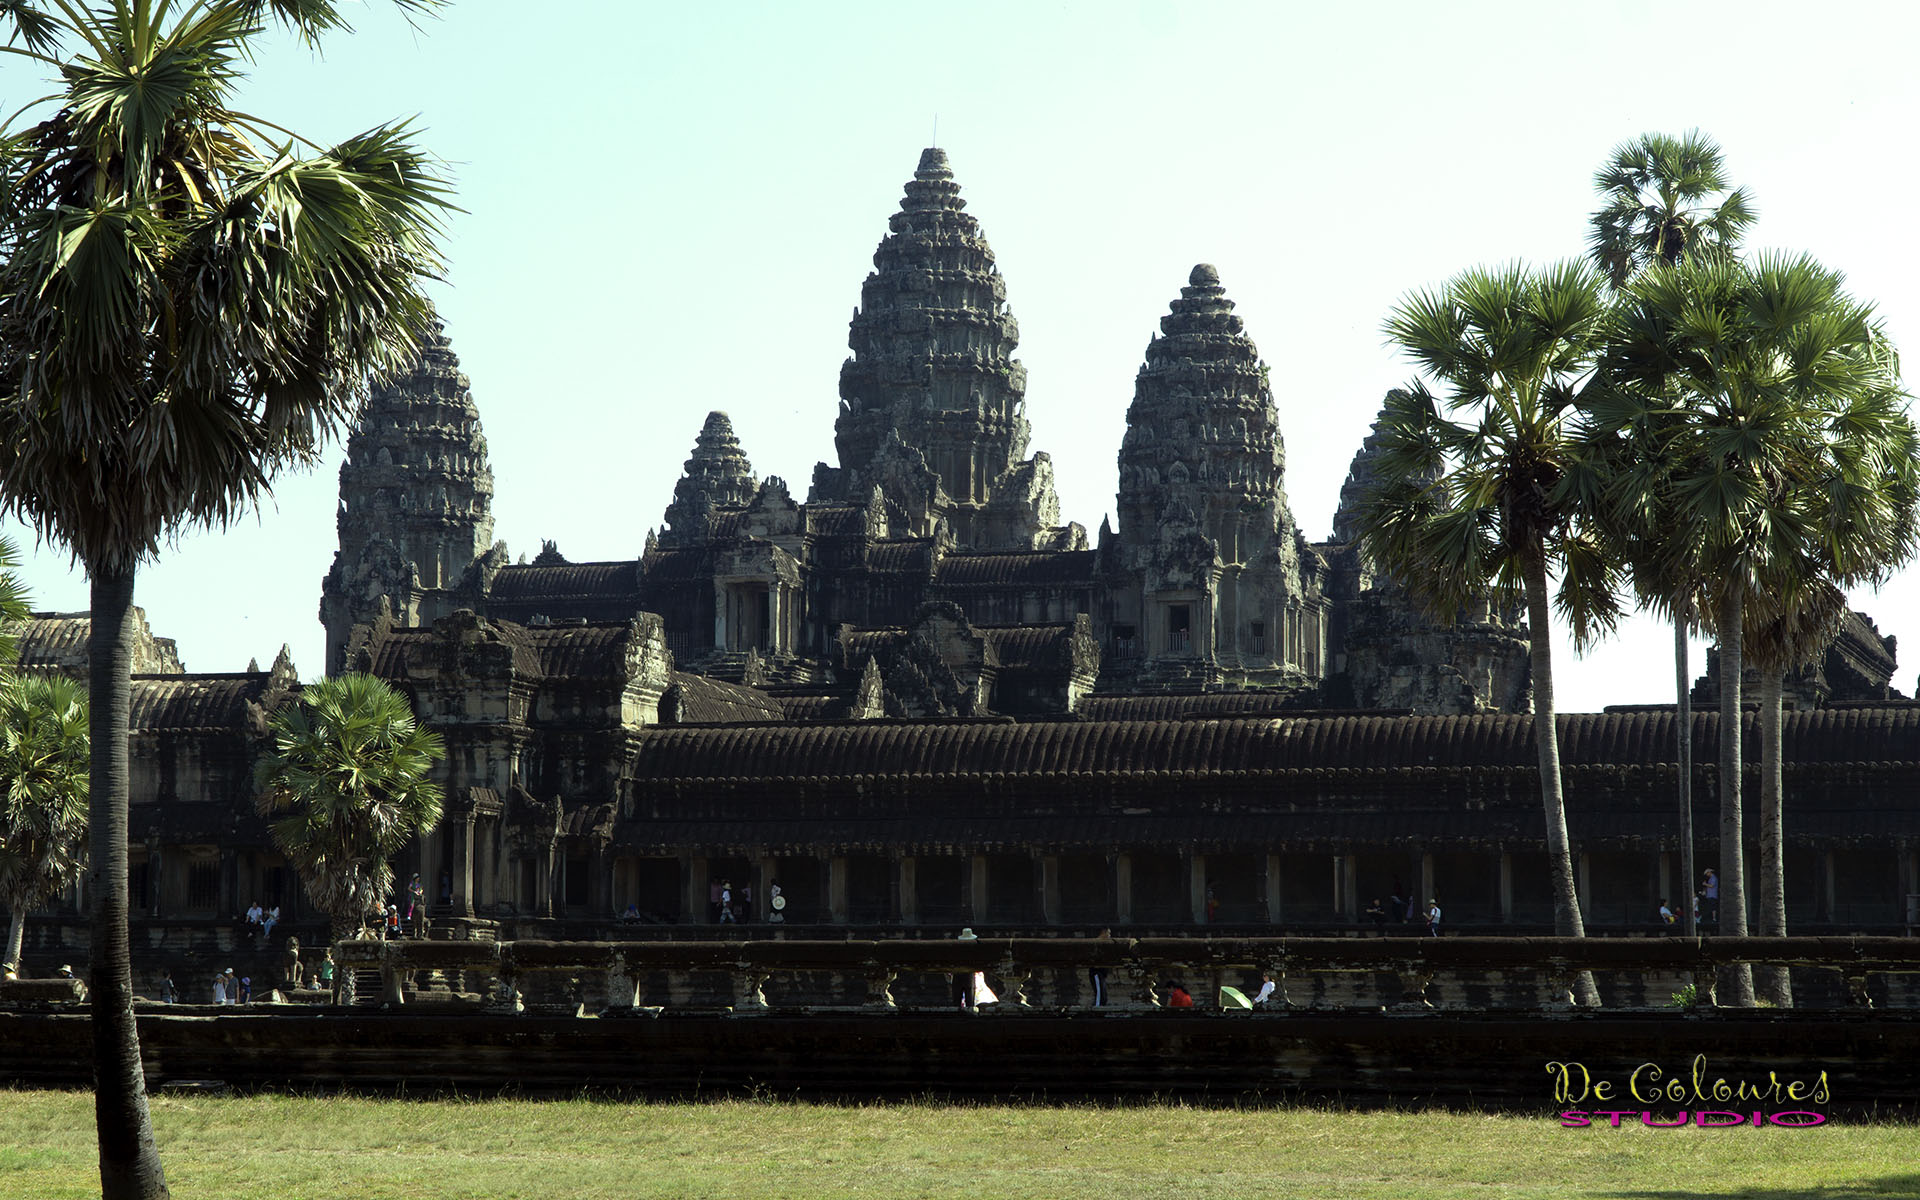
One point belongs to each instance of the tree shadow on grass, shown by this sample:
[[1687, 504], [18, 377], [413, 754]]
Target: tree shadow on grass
[[1893, 1187]]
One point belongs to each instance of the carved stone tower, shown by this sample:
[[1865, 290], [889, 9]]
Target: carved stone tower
[[1387, 652], [1223, 590], [932, 402], [1202, 432], [718, 478], [416, 499]]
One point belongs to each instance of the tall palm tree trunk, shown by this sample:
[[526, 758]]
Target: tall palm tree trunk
[[1775, 985], [16, 935], [1683, 756], [1546, 740], [129, 1161], [1736, 982]]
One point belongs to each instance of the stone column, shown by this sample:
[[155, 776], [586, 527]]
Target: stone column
[[543, 876], [1506, 885], [693, 871], [720, 614], [1273, 882], [977, 889], [599, 880], [1049, 878], [1123, 889], [1581, 876], [837, 889], [156, 858], [764, 871], [775, 614], [1197, 888], [462, 865], [906, 890]]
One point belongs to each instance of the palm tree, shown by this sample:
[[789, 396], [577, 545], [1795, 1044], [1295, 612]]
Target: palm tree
[[1492, 499], [1768, 401], [347, 783], [43, 795], [188, 295], [1666, 200]]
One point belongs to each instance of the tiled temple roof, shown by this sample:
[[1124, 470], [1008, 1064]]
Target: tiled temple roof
[[195, 703], [698, 700], [49, 639], [958, 748], [1178, 706], [593, 651], [1018, 646], [905, 556], [814, 707], [1056, 569], [393, 653], [833, 520], [568, 581]]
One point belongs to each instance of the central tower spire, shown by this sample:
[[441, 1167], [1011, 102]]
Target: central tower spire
[[932, 377]]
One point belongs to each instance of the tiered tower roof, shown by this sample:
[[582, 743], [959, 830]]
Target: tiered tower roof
[[718, 477], [1202, 432], [416, 470], [932, 361]]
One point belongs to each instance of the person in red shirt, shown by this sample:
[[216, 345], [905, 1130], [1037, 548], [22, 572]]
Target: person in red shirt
[[1178, 997]]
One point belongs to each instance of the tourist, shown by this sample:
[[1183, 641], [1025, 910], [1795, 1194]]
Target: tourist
[[254, 914], [631, 916], [1097, 974], [1376, 914], [268, 921], [1178, 996], [166, 987], [393, 920], [326, 971], [1710, 898], [1268, 986], [220, 987], [1433, 918], [726, 902], [1666, 914], [246, 989], [446, 886], [1213, 906], [962, 981]]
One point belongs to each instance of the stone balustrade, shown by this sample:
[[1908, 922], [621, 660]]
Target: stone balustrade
[[1404, 975]]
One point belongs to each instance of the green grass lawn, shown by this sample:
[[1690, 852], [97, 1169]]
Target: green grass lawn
[[293, 1148]]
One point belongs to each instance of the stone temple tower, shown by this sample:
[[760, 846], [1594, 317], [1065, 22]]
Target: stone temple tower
[[416, 499], [1202, 432], [1222, 588], [932, 402], [718, 478]]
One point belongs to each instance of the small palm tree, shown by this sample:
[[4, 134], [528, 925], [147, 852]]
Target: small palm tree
[[1667, 200], [1494, 498], [1766, 406], [189, 297], [43, 795], [347, 785]]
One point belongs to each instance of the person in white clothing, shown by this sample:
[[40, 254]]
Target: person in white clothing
[[1433, 918], [1267, 988]]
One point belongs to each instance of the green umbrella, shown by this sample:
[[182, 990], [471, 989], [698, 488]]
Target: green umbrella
[[1233, 997]]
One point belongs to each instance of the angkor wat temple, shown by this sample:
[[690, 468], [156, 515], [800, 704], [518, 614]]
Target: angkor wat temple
[[920, 698]]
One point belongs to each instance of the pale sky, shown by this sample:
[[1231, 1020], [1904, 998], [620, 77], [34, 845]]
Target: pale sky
[[670, 209]]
